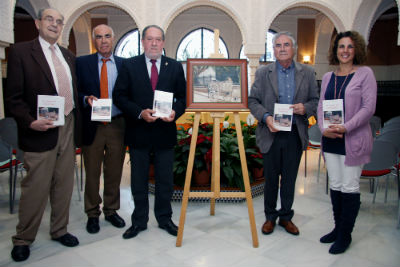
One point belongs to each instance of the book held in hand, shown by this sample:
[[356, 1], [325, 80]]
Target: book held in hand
[[283, 116], [333, 112], [101, 109], [162, 103], [51, 107]]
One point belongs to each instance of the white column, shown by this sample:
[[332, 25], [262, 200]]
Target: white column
[[254, 62]]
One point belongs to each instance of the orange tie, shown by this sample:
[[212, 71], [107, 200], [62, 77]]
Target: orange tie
[[104, 79]]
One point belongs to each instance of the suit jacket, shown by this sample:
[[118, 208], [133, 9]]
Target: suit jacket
[[265, 93], [88, 81], [133, 93], [29, 75]]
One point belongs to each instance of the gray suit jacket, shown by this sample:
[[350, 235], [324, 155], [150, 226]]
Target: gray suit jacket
[[264, 94]]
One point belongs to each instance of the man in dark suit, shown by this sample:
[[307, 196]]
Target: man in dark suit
[[41, 67], [103, 143], [145, 134], [284, 82]]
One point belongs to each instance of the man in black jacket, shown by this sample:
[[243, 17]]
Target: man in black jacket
[[146, 134]]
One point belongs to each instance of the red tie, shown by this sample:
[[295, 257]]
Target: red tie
[[104, 79], [154, 74]]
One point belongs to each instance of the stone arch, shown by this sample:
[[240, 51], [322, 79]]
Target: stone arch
[[365, 19], [321, 6], [170, 17], [78, 11]]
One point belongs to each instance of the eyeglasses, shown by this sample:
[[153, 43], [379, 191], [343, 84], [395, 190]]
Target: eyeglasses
[[50, 19], [99, 37]]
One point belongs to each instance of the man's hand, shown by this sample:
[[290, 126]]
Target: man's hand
[[170, 118], [89, 99], [270, 123], [147, 115], [299, 108], [42, 125]]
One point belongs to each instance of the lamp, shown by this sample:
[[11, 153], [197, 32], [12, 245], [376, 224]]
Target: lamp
[[306, 59]]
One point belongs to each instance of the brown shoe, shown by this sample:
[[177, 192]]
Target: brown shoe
[[268, 227], [289, 227]]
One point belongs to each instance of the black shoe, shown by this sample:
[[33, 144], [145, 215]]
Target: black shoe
[[67, 240], [20, 253], [133, 231], [115, 220], [92, 225], [170, 227]]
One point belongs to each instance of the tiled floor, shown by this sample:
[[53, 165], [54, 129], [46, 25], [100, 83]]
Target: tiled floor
[[223, 239]]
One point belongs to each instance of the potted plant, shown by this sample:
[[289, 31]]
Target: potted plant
[[201, 165], [230, 158]]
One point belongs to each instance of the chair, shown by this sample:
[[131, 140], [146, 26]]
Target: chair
[[394, 120], [11, 155], [375, 123], [314, 135], [383, 158]]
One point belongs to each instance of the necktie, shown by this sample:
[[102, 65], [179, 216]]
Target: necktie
[[104, 79], [154, 74], [64, 84]]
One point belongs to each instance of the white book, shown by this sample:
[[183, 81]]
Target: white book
[[101, 109], [333, 112], [51, 107], [283, 116], [162, 103]]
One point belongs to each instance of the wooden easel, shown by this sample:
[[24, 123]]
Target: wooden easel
[[215, 176]]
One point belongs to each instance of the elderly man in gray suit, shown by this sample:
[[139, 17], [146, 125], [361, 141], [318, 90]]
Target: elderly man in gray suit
[[284, 82]]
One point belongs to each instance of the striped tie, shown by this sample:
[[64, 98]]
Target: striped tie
[[64, 84]]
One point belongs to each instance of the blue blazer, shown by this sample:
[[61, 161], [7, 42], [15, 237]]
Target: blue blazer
[[133, 93], [88, 82]]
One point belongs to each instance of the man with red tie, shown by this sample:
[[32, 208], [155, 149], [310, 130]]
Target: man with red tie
[[103, 143], [41, 67], [147, 135]]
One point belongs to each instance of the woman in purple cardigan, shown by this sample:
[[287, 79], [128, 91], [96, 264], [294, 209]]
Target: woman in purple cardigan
[[346, 141]]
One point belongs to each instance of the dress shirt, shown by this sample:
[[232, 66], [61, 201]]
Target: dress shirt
[[148, 64], [286, 86], [47, 53], [286, 83], [112, 74]]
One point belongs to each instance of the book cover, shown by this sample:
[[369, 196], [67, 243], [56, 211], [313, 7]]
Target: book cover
[[162, 103], [333, 112], [101, 109], [51, 108], [283, 116]]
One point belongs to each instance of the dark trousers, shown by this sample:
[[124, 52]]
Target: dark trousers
[[283, 160], [164, 183]]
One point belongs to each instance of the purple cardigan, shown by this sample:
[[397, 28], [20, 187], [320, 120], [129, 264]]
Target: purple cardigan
[[360, 102]]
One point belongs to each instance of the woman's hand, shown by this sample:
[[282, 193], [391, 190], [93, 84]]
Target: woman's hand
[[334, 131]]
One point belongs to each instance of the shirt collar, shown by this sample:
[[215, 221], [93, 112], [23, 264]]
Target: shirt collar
[[100, 57], [282, 69], [45, 44], [148, 59]]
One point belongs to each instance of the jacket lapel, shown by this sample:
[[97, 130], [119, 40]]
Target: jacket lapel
[[273, 77], [163, 73], [38, 55], [298, 76], [94, 70]]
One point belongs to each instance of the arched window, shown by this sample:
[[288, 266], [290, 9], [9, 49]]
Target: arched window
[[269, 48], [199, 44], [129, 45]]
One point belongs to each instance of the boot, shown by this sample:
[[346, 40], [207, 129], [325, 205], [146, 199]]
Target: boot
[[336, 199], [350, 207]]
